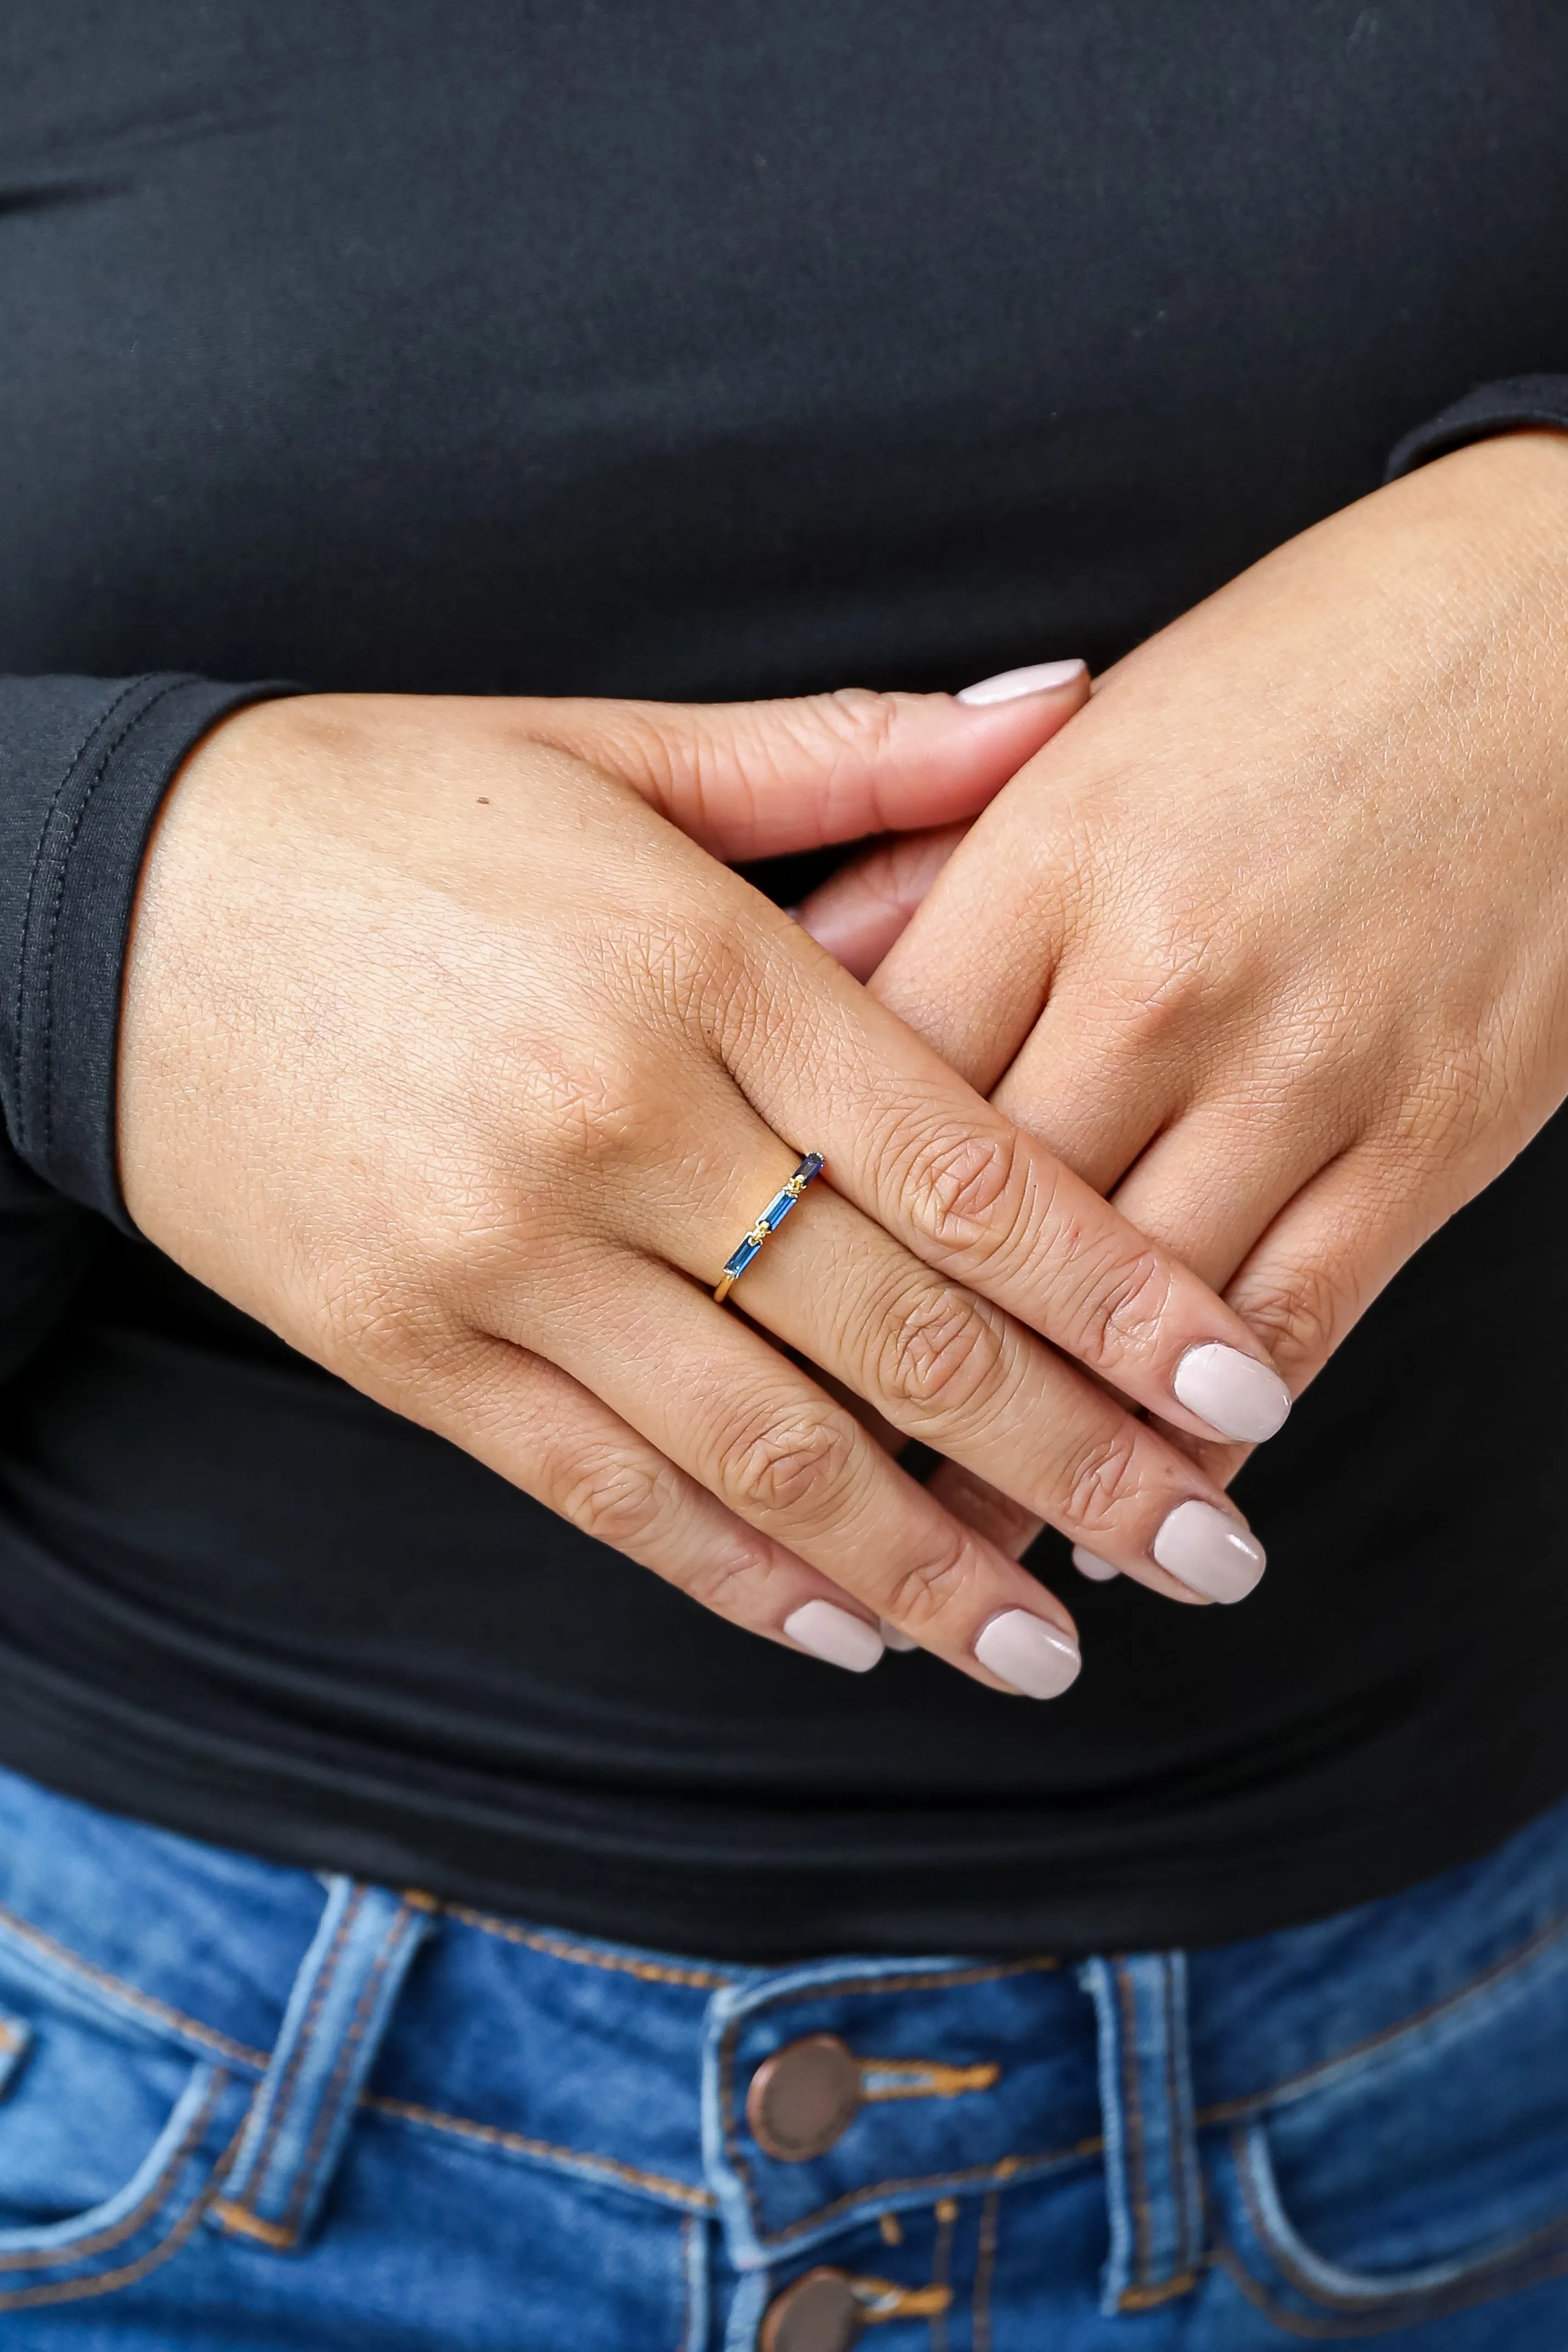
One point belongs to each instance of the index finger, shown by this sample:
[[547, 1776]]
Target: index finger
[[981, 1199]]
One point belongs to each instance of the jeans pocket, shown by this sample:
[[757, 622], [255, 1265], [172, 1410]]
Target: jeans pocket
[[1424, 2173], [110, 2145]]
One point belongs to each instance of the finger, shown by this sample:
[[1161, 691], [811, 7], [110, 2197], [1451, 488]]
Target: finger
[[537, 1427], [1317, 1265], [739, 1418], [947, 1367], [971, 971], [1009, 1526], [1218, 1177], [860, 911], [1097, 1083], [750, 780], [969, 1194]]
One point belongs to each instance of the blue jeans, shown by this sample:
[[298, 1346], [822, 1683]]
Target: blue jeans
[[243, 2107]]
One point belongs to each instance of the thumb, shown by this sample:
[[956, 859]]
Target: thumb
[[751, 780]]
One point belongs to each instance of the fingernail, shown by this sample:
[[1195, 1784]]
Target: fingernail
[[894, 1636], [833, 1634], [1012, 684], [1209, 1551], [1234, 1393], [1090, 1564], [1037, 1659]]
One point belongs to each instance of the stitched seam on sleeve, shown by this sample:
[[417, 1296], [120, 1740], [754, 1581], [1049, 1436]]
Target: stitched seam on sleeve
[[47, 1053], [101, 721]]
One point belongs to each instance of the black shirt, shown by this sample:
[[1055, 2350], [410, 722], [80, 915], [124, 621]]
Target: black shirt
[[617, 347]]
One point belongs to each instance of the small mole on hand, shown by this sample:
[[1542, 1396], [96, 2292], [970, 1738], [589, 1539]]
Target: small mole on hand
[[483, 802]]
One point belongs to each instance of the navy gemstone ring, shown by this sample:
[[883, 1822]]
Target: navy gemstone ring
[[772, 1217]]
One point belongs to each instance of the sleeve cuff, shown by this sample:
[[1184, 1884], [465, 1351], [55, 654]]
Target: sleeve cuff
[[89, 762], [1504, 407]]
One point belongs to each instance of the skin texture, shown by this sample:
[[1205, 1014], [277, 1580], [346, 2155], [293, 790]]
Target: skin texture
[[452, 1054], [1272, 944]]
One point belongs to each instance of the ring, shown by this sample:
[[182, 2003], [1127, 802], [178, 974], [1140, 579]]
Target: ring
[[772, 1217]]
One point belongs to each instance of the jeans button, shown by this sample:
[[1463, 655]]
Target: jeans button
[[818, 2314], [804, 2097]]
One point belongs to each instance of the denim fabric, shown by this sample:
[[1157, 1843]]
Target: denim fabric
[[242, 2106]]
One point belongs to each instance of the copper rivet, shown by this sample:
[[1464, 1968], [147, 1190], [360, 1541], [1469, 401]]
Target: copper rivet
[[818, 2313], [804, 2097]]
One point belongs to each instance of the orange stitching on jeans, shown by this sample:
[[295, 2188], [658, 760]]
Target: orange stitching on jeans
[[700, 2201], [255, 2060], [1146, 2298], [157, 2195], [331, 2098], [941, 2263], [583, 1955], [77, 2290], [1228, 2110], [926, 2078], [940, 1980], [980, 2325], [318, 1991], [1005, 2168], [251, 2225], [1138, 2181]]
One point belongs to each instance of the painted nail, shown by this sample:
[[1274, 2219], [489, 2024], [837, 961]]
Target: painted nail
[[1234, 1393], [894, 1636], [1090, 1564], [1209, 1551], [1012, 684], [833, 1634], [1038, 1659]]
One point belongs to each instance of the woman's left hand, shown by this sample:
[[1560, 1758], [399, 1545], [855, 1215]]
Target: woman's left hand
[[1271, 943]]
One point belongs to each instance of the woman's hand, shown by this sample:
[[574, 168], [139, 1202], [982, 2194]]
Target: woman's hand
[[450, 1057], [1272, 945]]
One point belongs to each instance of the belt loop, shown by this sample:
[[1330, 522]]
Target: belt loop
[[300, 2120], [1152, 2181]]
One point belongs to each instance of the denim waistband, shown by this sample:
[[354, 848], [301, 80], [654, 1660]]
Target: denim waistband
[[323, 1996]]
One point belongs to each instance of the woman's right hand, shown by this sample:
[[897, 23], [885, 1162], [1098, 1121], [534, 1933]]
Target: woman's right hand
[[448, 1055]]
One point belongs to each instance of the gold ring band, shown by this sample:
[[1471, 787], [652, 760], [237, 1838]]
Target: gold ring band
[[768, 1223]]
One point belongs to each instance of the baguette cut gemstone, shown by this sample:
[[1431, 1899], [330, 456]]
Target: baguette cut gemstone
[[772, 1217]]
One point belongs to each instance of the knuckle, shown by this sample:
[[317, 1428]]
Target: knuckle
[[921, 1595], [960, 1189], [783, 1459], [857, 720], [1119, 1306], [732, 1583], [1102, 1481], [1296, 1316], [617, 1498], [1171, 982], [942, 1357], [592, 1115]]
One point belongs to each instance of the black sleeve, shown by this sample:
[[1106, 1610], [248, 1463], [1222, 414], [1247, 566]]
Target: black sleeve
[[1517, 400], [84, 765]]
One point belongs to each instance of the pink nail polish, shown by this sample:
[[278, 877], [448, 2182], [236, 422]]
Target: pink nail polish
[[1012, 684], [836, 1635], [1209, 1551], [1090, 1564], [1036, 1658], [1234, 1393], [895, 1637]]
